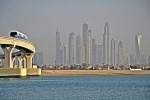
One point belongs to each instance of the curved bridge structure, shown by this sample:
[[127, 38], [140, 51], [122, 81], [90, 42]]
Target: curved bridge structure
[[20, 44], [26, 53]]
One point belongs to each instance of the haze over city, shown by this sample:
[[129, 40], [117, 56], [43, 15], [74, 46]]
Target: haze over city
[[39, 20]]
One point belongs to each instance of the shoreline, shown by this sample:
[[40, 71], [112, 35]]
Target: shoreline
[[93, 72]]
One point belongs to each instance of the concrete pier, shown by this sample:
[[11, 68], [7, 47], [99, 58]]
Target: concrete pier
[[19, 72], [12, 72], [33, 72], [24, 66]]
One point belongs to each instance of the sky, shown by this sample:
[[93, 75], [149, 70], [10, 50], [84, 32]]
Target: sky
[[39, 19]]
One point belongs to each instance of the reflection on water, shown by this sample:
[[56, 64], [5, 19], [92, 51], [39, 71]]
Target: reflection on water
[[136, 87]]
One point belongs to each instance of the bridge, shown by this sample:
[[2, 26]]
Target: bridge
[[24, 57]]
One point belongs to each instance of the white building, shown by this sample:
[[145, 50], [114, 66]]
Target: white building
[[65, 55], [120, 53], [78, 50], [88, 49], [71, 49], [106, 44], [94, 52], [58, 48], [113, 51], [100, 54], [85, 32], [82, 54], [138, 48]]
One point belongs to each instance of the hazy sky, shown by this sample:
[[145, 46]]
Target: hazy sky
[[39, 19]]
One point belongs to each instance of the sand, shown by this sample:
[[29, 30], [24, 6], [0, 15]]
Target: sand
[[92, 72]]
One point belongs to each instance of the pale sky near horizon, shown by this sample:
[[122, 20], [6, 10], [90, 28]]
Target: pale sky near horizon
[[39, 19]]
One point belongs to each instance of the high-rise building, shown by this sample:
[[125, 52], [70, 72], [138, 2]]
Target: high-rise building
[[38, 58], [132, 59], [82, 54], [120, 53], [85, 32], [106, 44], [94, 52], [71, 49], [58, 48], [100, 54], [84, 37], [88, 49], [126, 59], [113, 51], [78, 50], [138, 48], [61, 55], [65, 55]]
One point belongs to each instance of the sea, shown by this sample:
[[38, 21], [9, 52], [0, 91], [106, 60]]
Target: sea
[[123, 87]]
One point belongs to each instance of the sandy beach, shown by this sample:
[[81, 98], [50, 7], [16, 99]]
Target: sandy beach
[[92, 72]]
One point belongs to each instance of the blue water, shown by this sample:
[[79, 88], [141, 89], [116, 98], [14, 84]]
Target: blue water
[[134, 87]]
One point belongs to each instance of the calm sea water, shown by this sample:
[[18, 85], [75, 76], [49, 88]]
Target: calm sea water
[[136, 87]]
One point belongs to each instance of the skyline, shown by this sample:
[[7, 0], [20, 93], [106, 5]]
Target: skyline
[[39, 19], [86, 51]]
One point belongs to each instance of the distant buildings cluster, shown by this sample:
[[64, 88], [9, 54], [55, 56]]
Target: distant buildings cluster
[[86, 50], [95, 67]]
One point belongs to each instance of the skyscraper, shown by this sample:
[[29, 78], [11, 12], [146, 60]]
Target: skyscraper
[[94, 51], [38, 58], [138, 48], [84, 41], [126, 59], [132, 59], [96, 54], [65, 55], [58, 48], [100, 54], [61, 55], [88, 49], [85, 32], [71, 49], [78, 50], [120, 53], [113, 51], [82, 54], [106, 44]]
